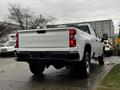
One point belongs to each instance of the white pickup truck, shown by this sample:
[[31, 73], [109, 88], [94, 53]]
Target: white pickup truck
[[72, 47]]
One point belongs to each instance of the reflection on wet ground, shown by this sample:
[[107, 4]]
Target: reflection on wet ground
[[16, 76]]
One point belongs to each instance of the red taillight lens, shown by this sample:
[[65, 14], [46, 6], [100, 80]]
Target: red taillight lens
[[72, 43], [72, 31], [17, 43], [72, 40]]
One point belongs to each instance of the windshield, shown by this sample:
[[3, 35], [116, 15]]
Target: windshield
[[10, 44]]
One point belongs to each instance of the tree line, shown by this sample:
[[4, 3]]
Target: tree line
[[24, 19]]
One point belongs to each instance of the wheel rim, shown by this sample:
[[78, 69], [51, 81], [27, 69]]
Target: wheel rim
[[87, 64], [87, 67]]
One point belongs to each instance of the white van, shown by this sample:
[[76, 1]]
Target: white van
[[8, 48]]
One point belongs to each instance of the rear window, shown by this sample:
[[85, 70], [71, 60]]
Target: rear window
[[84, 28]]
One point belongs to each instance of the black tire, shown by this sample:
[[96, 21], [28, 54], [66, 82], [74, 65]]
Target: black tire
[[101, 60], [82, 69], [36, 68], [85, 65]]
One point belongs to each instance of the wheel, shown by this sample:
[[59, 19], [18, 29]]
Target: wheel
[[82, 68], [36, 68], [85, 65], [101, 60]]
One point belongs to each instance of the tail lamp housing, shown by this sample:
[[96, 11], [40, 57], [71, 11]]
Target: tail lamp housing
[[72, 40]]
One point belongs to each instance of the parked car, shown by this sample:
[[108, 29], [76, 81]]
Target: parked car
[[8, 48], [71, 47], [108, 48]]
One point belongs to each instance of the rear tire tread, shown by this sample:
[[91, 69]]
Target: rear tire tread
[[36, 68]]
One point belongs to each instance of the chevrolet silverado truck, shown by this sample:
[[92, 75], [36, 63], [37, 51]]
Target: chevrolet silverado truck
[[72, 47]]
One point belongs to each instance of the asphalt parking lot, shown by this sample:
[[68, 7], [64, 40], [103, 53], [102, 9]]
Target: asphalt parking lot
[[16, 76]]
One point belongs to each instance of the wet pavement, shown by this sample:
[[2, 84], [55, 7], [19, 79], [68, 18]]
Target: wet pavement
[[16, 76]]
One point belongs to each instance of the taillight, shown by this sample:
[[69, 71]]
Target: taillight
[[72, 31], [72, 40], [17, 42]]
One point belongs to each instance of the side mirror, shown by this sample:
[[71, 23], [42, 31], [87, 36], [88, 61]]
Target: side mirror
[[105, 37]]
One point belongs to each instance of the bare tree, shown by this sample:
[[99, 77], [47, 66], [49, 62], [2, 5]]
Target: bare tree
[[6, 28], [25, 18], [17, 15], [39, 21]]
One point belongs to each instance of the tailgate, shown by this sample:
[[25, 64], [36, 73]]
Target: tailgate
[[49, 38]]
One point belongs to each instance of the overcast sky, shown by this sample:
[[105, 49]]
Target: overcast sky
[[69, 10]]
